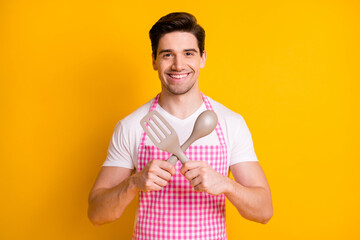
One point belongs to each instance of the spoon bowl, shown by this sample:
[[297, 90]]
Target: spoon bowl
[[204, 125]]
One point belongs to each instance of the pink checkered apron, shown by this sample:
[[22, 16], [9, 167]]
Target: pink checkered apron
[[177, 212]]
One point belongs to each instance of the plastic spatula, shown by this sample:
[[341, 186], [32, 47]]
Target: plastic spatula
[[162, 134]]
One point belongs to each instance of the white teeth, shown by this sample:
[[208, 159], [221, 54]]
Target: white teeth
[[178, 76]]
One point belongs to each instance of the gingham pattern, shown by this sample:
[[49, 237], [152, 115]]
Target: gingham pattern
[[177, 212]]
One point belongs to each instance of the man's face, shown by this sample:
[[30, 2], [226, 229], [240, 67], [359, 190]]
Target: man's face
[[178, 62]]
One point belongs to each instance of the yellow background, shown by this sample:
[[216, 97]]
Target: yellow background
[[69, 70]]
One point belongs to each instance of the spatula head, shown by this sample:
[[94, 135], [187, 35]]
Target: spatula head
[[160, 132]]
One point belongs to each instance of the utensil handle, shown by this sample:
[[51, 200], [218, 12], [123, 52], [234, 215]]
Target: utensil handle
[[173, 159], [183, 158]]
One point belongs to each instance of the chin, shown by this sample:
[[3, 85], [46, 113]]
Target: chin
[[179, 91]]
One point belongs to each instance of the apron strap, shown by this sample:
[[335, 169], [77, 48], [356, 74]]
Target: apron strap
[[207, 102], [155, 102]]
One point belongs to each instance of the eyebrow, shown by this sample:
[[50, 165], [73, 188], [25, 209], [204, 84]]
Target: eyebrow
[[165, 50], [190, 50], [185, 50]]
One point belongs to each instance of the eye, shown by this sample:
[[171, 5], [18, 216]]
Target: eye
[[166, 55], [189, 54]]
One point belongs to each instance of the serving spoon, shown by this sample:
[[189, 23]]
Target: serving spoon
[[205, 123]]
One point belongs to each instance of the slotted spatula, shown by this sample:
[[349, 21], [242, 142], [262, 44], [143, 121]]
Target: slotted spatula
[[162, 134]]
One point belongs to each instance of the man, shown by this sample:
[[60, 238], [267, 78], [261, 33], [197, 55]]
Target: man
[[182, 201]]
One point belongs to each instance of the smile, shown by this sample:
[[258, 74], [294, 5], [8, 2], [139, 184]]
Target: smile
[[179, 76]]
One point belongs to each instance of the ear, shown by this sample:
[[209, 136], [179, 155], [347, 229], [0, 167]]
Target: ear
[[203, 59], [154, 63]]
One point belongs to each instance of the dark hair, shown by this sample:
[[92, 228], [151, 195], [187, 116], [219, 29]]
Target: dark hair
[[177, 21]]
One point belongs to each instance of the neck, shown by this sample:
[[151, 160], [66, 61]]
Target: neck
[[181, 106]]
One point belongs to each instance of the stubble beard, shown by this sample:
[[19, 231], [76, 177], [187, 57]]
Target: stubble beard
[[178, 91]]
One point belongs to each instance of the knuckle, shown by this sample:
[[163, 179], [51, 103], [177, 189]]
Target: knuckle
[[148, 175], [151, 169], [148, 184], [168, 178], [159, 162], [153, 162], [186, 175]]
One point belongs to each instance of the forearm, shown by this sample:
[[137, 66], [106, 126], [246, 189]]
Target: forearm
[[107, 205], [253, 203]]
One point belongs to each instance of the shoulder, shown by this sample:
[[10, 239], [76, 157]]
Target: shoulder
[[236, 133], [232, 123]]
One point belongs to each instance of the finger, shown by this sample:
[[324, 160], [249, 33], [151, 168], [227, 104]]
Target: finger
[[150, 185], [199, 188], [160, 182], [195, 182], [201, 185], [191, 174], [156, 169], [154, 183], [162, 174], [154, 187], [189, 166], [164, 165]]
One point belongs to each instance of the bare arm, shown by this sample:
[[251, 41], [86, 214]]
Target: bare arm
[[111, 194], [249, 193], [116, 187]]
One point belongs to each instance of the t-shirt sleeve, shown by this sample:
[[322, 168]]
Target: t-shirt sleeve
[[242, 147], [119, 154]]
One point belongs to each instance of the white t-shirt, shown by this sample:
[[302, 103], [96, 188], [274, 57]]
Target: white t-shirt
[[123, 148]]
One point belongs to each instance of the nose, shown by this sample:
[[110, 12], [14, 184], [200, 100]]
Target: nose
[[178, 64]]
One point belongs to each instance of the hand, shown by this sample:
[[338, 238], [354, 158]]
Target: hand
[[204, 178], [154, 176]]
